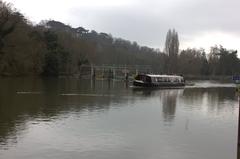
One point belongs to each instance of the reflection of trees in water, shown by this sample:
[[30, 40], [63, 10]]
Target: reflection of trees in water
[[49, 104], [212, 98], [168, 98], [169, 107], [18, 109], [169, 103]]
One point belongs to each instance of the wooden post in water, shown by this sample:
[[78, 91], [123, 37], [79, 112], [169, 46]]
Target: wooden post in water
[[93, 73], [103, 72], [238, 145], [237, 81], [136, 72], [238, 142], [114, 73], [109, 76]]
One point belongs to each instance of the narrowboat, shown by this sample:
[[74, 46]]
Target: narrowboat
[[162, 81]]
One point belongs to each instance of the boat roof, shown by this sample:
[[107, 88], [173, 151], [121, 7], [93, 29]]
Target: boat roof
[[153, 75]]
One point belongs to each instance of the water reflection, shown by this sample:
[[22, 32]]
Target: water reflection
[[212, 99], [169, 103], [53, 99], [168, 100], [20, 103]]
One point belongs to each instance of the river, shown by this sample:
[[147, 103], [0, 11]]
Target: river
[[68, 118]]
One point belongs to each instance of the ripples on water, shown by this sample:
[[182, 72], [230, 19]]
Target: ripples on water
[[70, 118]]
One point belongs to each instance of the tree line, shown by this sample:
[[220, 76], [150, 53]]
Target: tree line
[[52, 48], [218, 62]]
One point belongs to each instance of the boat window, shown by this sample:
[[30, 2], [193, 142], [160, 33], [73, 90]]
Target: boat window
[[148, 79], [176, 79], [160, 79]]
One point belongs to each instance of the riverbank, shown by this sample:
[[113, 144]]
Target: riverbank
[[218, 78], [187, 77]]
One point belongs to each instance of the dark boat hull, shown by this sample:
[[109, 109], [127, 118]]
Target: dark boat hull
[[158, 85]]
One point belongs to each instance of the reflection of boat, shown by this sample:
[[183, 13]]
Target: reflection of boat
[[162, 81]]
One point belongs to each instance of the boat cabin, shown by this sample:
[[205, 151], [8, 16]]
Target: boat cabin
[[150, 80]]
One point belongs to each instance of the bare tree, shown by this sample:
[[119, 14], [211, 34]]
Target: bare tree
[[172, 49]]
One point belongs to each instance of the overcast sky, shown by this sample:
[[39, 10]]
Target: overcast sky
[[199, 23]]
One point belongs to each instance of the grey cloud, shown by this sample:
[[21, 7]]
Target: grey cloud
[[148, 21], [209, 15]]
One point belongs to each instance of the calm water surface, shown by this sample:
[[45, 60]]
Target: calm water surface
[[71, 118]]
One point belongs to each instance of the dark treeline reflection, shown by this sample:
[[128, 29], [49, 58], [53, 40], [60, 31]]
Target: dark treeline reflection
[[26, 99]]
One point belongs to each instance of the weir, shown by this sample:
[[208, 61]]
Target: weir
[[112, 72]]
